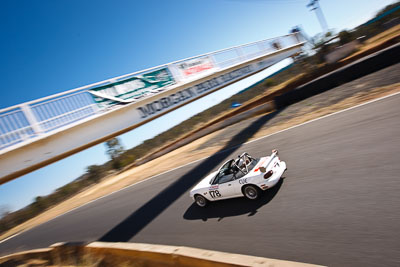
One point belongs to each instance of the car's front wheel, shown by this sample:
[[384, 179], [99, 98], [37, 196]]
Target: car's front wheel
[[200, 201], [251, 192]]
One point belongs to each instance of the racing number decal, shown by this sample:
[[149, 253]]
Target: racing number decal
[[243, 181], [215, 193]]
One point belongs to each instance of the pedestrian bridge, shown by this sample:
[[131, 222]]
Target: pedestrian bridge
[[40, 132]]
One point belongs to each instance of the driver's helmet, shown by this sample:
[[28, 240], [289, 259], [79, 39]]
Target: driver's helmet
[[240, 163]]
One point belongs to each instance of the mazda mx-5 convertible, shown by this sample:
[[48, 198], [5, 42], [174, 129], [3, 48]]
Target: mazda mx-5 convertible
[[245, 176]]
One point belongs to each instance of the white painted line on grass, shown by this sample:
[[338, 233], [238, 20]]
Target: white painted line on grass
[[295, 126]]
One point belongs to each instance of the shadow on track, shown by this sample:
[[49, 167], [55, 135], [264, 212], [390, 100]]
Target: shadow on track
[[231, 207], [135, 222]]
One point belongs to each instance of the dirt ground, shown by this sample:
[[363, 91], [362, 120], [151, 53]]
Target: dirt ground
[[377, 40], [363, 89], [375, 85]]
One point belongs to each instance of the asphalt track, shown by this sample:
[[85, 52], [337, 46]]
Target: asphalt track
[[339, 204]]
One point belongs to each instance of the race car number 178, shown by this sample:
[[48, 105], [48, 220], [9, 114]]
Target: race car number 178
[[215, 193]]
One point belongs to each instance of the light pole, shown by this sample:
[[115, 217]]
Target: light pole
[[314, 4]]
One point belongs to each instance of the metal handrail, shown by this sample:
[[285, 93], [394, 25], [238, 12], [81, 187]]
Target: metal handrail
[[140, 72], [66, 114], [65, 105]]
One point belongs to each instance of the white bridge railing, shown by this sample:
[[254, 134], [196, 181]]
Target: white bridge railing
[[41, 117]]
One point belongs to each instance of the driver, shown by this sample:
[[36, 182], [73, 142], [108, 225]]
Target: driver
[[241, 163]]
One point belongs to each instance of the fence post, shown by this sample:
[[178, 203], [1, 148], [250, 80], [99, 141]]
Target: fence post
[[31, 118], [214, 61]]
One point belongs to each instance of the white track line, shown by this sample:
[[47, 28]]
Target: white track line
[[325, 116], [14, 235], [295, 126]]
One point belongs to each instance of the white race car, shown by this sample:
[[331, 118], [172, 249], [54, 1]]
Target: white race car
[[245, 176]]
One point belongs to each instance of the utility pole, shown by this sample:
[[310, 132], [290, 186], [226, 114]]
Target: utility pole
[[314, 4]]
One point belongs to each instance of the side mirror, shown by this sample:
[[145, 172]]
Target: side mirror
[[263, 169]]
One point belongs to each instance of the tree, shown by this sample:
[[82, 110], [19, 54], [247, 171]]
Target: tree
[[4, 211], [95, 172], [39, 203], [114, 151], [6, 221], [345, 37]]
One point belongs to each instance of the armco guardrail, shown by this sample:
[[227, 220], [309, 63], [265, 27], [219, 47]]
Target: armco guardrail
[[135, 254]]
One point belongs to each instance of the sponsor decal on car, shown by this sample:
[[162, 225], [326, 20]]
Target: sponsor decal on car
[[243, 181]]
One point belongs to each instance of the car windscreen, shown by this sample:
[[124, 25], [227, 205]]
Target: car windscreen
[[226, 169]]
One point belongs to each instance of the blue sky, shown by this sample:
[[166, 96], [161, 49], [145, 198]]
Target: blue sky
[[52, 46]]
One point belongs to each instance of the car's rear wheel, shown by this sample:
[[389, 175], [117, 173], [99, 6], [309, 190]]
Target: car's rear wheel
[[200, 201], [251, 192]]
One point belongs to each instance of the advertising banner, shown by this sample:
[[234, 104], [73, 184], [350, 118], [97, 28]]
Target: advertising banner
[[194, 67], [178, 98], [132, 89]]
